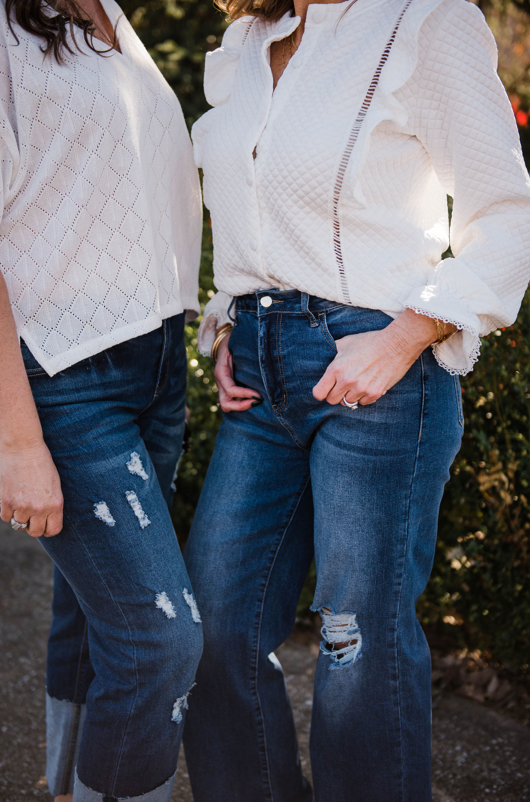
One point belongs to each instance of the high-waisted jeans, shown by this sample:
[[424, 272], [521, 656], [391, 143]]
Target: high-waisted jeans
[[360, 489], [126, 637]]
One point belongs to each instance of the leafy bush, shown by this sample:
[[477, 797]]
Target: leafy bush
[[177, 34], [479, 588]]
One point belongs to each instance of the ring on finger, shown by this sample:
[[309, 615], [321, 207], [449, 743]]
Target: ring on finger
[[17, 525], [349, 404]]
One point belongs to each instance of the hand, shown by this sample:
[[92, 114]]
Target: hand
[[30, 490], [367, 365], [231, 397]]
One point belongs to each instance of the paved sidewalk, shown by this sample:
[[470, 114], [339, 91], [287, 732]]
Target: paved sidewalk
[[479, 755]]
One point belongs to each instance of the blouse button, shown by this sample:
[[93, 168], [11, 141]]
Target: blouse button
[[253, 244], [250, 180], [318, 15], [296, 61]]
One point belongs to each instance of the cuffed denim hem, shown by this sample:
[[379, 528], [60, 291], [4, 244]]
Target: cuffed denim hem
[[64, 725], [160, 794]]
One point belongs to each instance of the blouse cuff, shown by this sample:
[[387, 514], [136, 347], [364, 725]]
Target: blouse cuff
[[215, 315], [459, 353]]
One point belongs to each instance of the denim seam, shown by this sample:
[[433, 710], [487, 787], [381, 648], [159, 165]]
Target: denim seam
[[458, 397], [159, 383], [283, 405], [266, 313], [120, 752], [266, 386], [325, 331], [406, 544], [291, 432], [74, 729], [274, 555]]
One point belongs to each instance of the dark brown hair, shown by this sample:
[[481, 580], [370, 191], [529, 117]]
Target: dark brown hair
[[266, 9], [53, 28]]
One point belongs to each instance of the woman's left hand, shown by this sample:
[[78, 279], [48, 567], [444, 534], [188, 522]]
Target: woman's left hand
[[367, 365]]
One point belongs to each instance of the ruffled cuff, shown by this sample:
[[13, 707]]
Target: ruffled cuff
[[215, 315], [459, 353]]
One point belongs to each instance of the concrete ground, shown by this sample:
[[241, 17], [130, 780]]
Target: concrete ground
[[480, 755]]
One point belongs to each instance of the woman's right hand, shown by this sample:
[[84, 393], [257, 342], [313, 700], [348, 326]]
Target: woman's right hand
[[30, 490], [232, 398]]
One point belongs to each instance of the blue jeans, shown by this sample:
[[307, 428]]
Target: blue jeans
[[126, 638], [361, 491]]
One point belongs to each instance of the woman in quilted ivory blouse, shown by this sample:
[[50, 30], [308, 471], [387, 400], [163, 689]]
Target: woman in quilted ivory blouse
[[337, 132], [99, 240]]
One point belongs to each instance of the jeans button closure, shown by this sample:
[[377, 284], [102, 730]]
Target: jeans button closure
[[266, 301]]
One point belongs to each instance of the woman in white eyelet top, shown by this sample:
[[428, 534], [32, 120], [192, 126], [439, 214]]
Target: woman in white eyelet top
[[439, 124], [337, 133]]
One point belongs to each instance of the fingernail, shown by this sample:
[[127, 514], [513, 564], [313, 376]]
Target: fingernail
[[257, 402]]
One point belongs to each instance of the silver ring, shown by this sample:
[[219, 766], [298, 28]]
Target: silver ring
[[350, 406], [17, 525]]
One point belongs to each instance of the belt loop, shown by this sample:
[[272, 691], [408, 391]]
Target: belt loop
[[305, 308]]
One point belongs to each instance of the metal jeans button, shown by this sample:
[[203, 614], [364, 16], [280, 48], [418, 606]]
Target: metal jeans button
[[266, 301]]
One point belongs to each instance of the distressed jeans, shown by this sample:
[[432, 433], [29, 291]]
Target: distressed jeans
[[358, 489], [126, 636]]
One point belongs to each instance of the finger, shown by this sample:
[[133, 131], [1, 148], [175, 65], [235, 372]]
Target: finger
[[231, 390], [370, 398], [230, 404], [37, 525], [236, 406], [350, 398], [21, 516], [6, 511], [54, 524], [343, 389], [322, 389], [226, 383]]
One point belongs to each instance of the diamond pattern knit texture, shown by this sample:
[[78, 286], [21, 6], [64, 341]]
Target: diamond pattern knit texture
[[439, 124], [101, 224]]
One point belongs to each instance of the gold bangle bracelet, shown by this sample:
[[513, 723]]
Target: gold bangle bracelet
[[442, 335], [225, 330]]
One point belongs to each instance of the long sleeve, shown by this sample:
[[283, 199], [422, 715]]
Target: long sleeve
[[215, 315], [467, 126]]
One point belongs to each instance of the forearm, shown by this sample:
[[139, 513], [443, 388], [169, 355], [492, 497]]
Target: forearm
[[19, 421]]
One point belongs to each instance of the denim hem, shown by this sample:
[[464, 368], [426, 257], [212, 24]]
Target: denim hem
[[64, 725], [160, 794]]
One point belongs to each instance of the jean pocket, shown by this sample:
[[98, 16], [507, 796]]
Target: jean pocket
[[325, 331], [459, 406]]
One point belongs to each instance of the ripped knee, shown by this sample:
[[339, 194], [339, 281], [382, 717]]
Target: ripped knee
[[341, 637]]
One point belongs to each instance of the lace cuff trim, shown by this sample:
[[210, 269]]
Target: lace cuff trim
[[438, 350]]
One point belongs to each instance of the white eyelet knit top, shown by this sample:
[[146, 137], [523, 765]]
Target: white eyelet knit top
[[101, 213], [346, 199]]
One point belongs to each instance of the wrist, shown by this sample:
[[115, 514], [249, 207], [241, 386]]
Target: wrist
[[16, 444], [409, 337], [221, 335]]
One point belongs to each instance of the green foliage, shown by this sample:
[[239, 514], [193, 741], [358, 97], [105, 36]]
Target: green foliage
[[479, 589], [202, 402], [177, 34]]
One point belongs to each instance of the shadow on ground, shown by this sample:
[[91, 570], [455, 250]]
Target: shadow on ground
[[480, 755]]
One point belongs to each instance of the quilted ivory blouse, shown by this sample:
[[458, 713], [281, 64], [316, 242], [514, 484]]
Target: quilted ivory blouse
[[346, 198], [101, 212]]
